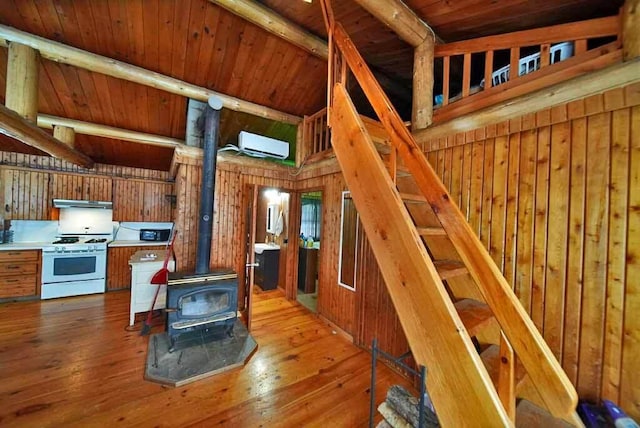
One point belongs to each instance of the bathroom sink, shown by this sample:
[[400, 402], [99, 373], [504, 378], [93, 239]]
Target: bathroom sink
[[259, 248]]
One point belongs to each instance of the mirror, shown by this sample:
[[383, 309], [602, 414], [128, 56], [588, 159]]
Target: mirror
[[348, 243], [272, 217]]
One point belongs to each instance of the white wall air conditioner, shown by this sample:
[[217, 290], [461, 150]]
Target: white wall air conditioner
[[260, 146]]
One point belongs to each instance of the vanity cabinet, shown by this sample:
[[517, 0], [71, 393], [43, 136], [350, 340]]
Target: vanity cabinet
[[266, 273], [19, 273]]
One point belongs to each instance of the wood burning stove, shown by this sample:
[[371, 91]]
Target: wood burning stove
[[201, 307]]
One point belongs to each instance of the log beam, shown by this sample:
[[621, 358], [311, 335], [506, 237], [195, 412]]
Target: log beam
[[631, 29], [277, 25], [97, 130], [15, 126], [59, 52], [270, 21], [65, 134], [400, 18], [615, 76], [422, 109], [22, 81]]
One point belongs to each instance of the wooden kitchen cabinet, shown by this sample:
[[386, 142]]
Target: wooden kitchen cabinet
[[118, 269], [19, 274]]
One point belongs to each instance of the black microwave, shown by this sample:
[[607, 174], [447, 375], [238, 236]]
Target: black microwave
[[154, 234]]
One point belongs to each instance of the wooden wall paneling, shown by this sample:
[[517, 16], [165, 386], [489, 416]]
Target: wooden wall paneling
[[616, 257], [498, 204], [475, 187], [629, 389], [540, 227], [97, 188], [558, 212], [595, 256], [465, 196], [511, 214], [457, 154], [487, 192], [575, 250]]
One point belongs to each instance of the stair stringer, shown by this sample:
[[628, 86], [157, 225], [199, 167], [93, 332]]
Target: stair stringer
[[457, 380]]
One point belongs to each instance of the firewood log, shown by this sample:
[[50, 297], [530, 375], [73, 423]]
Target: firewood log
[[406, 405], [392, 417]]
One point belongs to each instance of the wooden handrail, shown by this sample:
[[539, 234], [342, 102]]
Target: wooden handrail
[[541, 365], [435, 332], [590, 29]]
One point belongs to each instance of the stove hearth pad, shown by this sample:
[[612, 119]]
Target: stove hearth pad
[[199, 361]]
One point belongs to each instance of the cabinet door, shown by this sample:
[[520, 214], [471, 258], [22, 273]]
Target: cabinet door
[[128, 200], [157, 206], [26, 195]]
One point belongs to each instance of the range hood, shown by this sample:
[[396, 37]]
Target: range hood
[[68, 203]]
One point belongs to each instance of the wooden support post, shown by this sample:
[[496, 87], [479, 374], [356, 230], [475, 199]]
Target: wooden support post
[[301, 148], [22, 81], [15, 126], [630, 29], [65, 134], [422, 112]]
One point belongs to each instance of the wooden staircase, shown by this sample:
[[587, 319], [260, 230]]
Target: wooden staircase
[[444, 285]]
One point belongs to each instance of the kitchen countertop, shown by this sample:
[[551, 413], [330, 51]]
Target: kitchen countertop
[[23, 246], [138, 244]]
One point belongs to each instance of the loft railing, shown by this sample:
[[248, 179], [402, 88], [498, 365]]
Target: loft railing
[[316, 136], [521, 62]]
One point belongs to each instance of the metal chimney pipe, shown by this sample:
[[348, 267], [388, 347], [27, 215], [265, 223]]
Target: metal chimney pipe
[[210, 149]]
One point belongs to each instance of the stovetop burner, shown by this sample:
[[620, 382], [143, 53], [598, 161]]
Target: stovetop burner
[[67, 240], [96, 240]]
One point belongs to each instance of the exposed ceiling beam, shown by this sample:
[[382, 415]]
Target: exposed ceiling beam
[[59, 52], [15, 126], [400, 18], [270, 21], [612, 77], [97, 130]]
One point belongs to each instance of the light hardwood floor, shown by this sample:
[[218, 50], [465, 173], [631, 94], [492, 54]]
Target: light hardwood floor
[[70, 362]]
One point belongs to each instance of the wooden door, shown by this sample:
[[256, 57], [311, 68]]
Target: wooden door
[[251, 214]]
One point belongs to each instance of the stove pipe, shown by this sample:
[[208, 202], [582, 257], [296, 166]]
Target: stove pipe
[[210, 148]]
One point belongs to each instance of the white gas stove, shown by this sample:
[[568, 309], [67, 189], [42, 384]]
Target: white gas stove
[[73, 266], [76, 262]]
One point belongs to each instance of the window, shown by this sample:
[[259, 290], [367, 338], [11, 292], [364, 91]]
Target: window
[[311, 218]]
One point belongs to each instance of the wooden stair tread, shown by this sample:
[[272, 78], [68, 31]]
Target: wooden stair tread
[[491, 359], [449, 268], [431, 231], [475, 315], [412, 198], [530, 415]]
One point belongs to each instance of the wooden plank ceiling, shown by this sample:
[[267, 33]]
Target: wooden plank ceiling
[[191, 40], [199, 42]]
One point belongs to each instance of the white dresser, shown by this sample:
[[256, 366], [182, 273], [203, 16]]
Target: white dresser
[[144, 264]]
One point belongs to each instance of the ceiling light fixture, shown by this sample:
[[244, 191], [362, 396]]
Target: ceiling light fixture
[[307, 1]]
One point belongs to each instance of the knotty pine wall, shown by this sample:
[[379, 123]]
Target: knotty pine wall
[[228, 247], [28, 184], [335, 303], [555, 197]]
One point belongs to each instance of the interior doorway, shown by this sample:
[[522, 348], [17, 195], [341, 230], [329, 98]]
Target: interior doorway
[[309, 242]]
